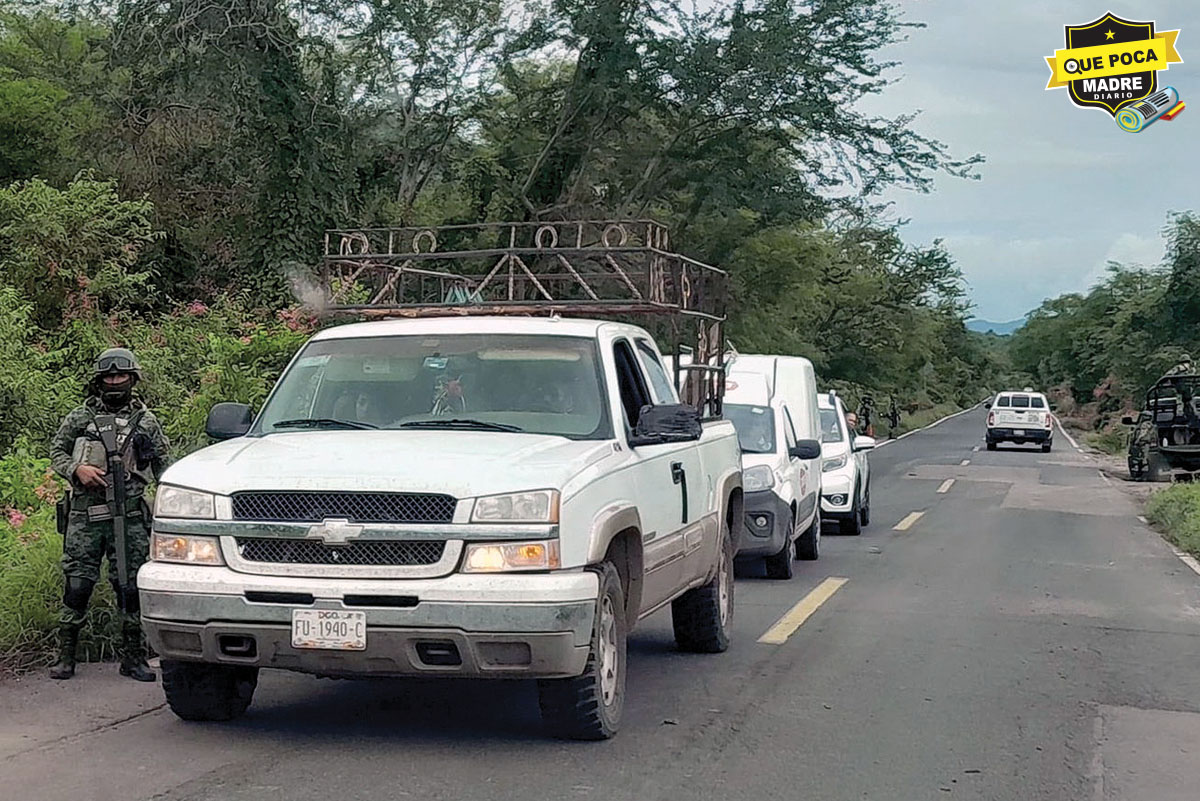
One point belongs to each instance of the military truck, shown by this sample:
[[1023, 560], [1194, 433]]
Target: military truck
[[1166, 433]]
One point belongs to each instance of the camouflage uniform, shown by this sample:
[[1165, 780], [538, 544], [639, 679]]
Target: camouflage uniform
[[86, 543]]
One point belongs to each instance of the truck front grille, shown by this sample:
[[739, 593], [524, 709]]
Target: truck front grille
[[357, 507], [390, 553]]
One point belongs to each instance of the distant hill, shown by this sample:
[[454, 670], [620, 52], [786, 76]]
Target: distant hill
[[1002, 329]]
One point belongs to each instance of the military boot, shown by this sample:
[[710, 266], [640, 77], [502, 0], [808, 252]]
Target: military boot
[[68, 641], [133, 652]]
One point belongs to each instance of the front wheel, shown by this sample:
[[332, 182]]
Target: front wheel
[[808, 546], [852, 525], [199, 691], [864, 514], [589, 706], [1045, 447], [779, 565], [991, 446], [702, 617]]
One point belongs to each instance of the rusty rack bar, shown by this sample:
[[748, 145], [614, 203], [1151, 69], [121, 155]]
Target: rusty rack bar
[[585, 268]]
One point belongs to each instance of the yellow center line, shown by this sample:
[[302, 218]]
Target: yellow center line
[[794, 618], [907, 522], [946, 485]]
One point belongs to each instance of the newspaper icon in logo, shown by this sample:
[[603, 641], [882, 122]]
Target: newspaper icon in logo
[[1164, 104]]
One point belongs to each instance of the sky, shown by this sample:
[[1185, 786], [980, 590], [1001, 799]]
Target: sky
[[1064, 189]]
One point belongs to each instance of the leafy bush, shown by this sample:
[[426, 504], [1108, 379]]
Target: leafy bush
[[73, 252]]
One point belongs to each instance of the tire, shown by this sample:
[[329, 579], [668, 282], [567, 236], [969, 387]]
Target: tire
[[864, 516], [589, 706], [852, 525], [991, 446], [779, 565], [1045, 447], [808, 544], [703, 617], [202, 692], [1153, 467]]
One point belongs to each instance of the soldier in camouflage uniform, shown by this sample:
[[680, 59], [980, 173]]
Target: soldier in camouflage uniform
[[79, 457]]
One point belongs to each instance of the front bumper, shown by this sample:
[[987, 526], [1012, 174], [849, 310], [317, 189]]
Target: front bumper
[[1027, 435], [502, 626], [837, 494], [771, 537]]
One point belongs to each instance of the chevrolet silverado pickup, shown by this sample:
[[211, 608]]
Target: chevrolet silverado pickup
[[492, 497]]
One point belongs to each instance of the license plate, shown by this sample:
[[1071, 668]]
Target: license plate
[[329, 629], [1018, 433]]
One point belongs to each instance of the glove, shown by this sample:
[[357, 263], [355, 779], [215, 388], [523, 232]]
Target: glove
[[143, 449]]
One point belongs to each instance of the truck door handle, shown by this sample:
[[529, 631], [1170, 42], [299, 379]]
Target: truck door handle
[[679, 476]]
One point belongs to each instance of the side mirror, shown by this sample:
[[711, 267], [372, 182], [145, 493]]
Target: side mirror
[[1127, 420], [1054, 407], [863, 444], [676, 422], [805, 449], [228, 420], [987, 404]]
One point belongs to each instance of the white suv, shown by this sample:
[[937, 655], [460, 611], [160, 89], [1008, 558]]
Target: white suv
[[1020, 417], [845, 471]]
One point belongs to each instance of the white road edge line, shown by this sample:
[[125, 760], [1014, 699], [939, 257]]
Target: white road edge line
[[931, 425], [1104, 476], [1070, 439], [946, 485], [1188, 560]]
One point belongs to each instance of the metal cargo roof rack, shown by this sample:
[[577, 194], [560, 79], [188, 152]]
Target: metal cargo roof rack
[[608, 269]]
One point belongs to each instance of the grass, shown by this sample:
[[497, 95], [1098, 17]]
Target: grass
[[1176, 510], [1112, 441], [31, 597]]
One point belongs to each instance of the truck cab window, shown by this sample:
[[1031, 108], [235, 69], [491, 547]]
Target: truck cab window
[[630, 382], [660, 384]]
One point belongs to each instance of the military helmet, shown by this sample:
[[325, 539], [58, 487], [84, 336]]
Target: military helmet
[[116, 360]]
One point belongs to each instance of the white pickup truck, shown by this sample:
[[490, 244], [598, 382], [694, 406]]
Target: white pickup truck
[[494, 497]]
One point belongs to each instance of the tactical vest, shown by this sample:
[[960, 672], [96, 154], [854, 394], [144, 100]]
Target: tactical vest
[[90, 450]]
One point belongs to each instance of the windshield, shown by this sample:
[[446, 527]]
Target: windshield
[[831, 427], [755, 427], [497, 382]]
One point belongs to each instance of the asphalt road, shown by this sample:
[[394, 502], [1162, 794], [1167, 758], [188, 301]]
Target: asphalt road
[[1026, 637]]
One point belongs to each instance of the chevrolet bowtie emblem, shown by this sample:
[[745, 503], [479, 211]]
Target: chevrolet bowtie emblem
[[334, 532]]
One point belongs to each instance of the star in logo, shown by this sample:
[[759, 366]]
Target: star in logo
[[1108, 34]]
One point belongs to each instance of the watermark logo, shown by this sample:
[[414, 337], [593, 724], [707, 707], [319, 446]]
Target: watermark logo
[[1112, 64]]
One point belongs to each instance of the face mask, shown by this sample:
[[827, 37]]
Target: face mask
[[114, 397]]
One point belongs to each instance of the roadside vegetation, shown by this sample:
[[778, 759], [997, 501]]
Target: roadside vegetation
[[1176, 511], [1097, 352], [169, 170]]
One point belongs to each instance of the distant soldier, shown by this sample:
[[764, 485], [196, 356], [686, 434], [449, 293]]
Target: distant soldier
[[109, 449], [1184, 367]]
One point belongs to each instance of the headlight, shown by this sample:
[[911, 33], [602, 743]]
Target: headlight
[[833, 463], [538, 506], [505, 557], [180, 502], [191, 550], [759, 477]]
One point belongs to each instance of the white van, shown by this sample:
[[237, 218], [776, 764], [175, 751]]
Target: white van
[[772, 402]]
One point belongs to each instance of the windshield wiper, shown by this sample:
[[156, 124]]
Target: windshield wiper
[[455, 422], [322, 422]]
